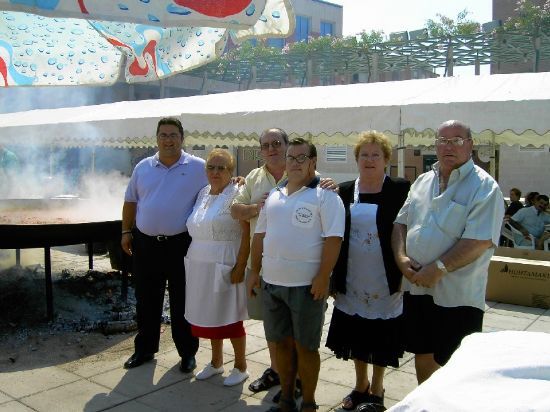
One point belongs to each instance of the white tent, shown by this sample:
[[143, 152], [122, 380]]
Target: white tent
[[501, 109]]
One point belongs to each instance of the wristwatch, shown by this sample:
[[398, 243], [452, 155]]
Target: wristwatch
[[441, 266]]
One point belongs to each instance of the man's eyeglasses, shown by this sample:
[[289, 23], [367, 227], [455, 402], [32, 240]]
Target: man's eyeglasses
[[211, 168], [298, 159], [171, 136], [455, 141], [274, 144]]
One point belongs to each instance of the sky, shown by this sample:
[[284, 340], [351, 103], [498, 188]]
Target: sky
[[406, 15]]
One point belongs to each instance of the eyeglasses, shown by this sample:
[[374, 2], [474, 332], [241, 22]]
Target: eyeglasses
[[274, 144], [455, 141], [171, 136], [373, 156], [298, 159], [211, 168]]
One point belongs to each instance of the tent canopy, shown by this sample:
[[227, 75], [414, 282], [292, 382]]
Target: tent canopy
[[501, 109]]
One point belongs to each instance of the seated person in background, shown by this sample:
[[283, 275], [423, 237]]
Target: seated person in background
[[515, 204], [530, 198], [531, 221]]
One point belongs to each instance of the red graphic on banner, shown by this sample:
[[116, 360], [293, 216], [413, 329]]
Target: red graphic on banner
[[135, 69], [215, 8], [4, 71], [82, 7]]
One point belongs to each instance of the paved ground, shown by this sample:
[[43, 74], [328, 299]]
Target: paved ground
[[87, 375]]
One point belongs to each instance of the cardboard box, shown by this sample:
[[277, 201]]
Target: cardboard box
[[523, 253], [521, 279]]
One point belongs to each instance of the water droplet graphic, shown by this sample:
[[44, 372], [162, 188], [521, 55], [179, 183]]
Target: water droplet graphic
[[251, 10], [182, 11], [52, 61]]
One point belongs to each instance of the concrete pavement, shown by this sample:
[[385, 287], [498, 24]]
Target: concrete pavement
[[88, 375]]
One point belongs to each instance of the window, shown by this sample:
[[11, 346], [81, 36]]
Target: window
[[302, 28], [278, 43], [337, 153], [326, 28]]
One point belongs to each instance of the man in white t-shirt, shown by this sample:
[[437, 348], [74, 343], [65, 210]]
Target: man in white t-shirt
[[297, 242]]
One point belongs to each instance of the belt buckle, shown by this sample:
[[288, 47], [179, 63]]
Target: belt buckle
[[162, 238]]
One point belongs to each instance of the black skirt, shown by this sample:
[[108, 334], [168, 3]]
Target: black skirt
[[375, 341]]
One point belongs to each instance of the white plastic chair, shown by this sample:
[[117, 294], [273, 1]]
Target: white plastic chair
[[508, 232]]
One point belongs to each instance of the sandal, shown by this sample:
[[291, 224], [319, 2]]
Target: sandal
[[354, 399], [311, 405], [289, 406], [297, 392], [269, 379], [374, 403], [370, 407]]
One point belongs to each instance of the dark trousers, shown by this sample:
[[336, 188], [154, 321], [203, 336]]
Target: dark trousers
[[156, 263]]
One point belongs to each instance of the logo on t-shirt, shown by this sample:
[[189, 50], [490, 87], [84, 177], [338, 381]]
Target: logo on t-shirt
[[304, 215]]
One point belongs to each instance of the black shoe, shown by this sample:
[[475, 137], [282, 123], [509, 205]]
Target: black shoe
[[187, 364], [297, 392], [138, 359]]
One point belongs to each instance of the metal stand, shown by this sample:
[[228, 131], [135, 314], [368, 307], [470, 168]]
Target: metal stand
[[90, 255], [49, 292]]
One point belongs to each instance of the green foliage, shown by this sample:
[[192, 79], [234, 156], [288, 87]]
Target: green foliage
[[531, 18], [251, 52], [372, 37], [445, 26]]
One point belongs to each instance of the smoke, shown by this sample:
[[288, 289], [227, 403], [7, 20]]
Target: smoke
[[16, 99]]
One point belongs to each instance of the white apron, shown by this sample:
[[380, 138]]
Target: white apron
[[367, 291], [211, 300]]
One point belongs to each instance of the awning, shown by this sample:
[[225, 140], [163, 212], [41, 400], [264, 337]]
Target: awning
[[501, 109]]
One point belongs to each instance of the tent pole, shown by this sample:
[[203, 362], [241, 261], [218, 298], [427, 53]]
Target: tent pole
[[492, 163], [401, 155]]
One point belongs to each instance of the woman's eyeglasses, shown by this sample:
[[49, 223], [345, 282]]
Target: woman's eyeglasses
[[211, 168], [274, 144]]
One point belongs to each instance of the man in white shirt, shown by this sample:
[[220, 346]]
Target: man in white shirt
[[443, 240], [299, 232]]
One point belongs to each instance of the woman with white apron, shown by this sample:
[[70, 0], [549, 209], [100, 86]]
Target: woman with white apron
[[215, 300], [366, 320]]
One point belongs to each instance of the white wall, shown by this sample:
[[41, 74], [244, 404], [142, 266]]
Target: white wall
[[526, 169]]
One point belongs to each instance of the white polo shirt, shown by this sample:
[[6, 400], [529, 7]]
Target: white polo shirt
[[472, 207], [295, 227]]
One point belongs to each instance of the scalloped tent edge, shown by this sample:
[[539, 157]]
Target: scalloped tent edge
[[501, 109]]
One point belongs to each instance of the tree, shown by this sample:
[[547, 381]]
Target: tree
[[531, 18], [447, 26]]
